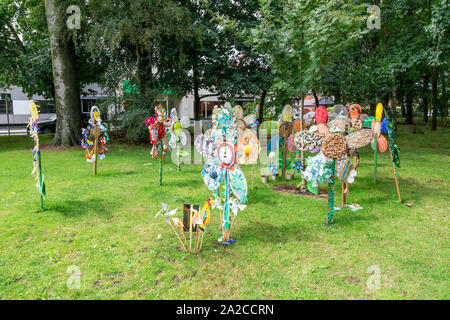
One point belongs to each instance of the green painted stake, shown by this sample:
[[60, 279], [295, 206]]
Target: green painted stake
[[178, 157], [41, 184], [331, 195], [160, 164], [375, 167]]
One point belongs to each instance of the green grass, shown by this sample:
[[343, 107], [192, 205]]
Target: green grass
[[104, 225]]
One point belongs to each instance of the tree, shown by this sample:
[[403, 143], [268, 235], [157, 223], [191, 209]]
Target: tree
[[65, 75], [304, 39], [26, 59], [221, 59]]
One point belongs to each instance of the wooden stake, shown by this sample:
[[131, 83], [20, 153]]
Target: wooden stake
[[395, 175], [190, 231], [161, 152], [179, 238], [196, 239], [283, 174], [41, 185], [375, 167], [201, 244], [96, 136]]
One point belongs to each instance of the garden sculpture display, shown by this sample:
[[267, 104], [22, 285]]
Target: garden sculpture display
[[33, 130], [218, 146], [179, 136], [158, 127], [95, 132]]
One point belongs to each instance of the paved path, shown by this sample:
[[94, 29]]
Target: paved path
[[13, 131]]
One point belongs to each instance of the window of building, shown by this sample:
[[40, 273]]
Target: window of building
[[87, 104], [206, 108], [6, 103]]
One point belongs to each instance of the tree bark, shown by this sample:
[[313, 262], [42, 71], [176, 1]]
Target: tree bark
[[409, 103], [261, 106], [196, 101], [444, 98], [434, 96], [66, 83], [316, 100], [425, 93]]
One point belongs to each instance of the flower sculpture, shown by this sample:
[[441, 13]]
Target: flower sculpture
[[218, 145], [387, 126], [90, 136], [336, 139], [178, 136], [194, 223], [158, 127], [37, 168]]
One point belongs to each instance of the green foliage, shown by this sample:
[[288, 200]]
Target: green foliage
[[25, 57]]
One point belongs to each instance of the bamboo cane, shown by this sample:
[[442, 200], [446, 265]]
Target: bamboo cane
[[190, 231], [396, 178], [96, 136], [196, 239], [179, 238], [201, 244], [160, 162], [375, 167], [283, 173]]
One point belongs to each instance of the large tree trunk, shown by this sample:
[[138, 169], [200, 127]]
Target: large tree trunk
[[316, 99], [425, 93], [196, 87], [196, 103], [67, 86], [434, 97], [409, 103], [261, 106], [445, 98]]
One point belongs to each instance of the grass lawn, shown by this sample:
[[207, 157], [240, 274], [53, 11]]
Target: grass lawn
[[104, 225]]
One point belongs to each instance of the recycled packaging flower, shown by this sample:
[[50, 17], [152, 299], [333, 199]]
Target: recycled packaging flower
[[88, 136], [218, 146]]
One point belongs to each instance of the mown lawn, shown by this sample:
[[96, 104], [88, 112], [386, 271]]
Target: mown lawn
[[105, 226]]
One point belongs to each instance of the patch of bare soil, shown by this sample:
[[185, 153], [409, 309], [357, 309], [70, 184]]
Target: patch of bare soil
[[284, 188], [49, 147]]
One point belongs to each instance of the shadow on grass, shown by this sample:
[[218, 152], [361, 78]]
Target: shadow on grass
[[267, 232], [116, 173], [74, 208]]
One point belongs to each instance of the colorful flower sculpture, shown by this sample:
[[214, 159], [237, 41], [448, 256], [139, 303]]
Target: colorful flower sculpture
[[33, 129], [178, 136], [196, 225], [383, 144], [219, 146], [88, 137], [338, 141], [158, 127]]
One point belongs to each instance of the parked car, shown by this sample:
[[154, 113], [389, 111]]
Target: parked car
[[48, 126]]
